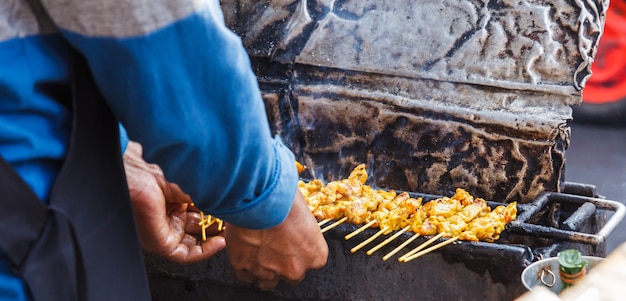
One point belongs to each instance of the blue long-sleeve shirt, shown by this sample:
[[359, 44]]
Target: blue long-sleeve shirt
[[177, 79]]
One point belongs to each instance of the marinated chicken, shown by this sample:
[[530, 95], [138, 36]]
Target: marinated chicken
[[461, 215]]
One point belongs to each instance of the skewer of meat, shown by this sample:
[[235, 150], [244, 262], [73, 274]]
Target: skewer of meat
[[393, 213], [425, 221], [347, 200], [359, 208], [383, 210], [329, 201], [353, 201], [365, 209], [410, 214], [487, 227], [415, 215], [452, 225], [392, 216]]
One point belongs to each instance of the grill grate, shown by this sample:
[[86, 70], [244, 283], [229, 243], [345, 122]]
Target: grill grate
[[459, 271]]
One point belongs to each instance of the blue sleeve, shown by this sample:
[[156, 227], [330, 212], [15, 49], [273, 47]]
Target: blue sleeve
[[187, 93], [123, 138]]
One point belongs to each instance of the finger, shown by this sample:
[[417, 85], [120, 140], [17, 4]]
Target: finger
[[244, 276], [266, 279], [186, 254], [192, 226], [173, 194], [293, 280], [292, 272], [206, 249], [189, 240], [213, 245], [267, 284]]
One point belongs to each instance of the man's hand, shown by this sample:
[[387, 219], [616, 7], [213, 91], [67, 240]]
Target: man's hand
[[286, 252], [163, 220]]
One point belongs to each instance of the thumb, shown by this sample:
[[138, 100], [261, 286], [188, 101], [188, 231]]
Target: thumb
[[173, 194]]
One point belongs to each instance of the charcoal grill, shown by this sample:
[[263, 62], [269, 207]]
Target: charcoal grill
[[431, 95], [576, 218]]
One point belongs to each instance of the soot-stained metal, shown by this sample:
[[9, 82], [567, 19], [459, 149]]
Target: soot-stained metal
[[431, 95], [459, 271]]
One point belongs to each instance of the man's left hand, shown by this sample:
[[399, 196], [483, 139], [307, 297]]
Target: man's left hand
[[166, 222]]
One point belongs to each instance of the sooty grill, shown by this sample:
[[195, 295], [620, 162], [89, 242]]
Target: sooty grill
[[432, 96], [576, 218]]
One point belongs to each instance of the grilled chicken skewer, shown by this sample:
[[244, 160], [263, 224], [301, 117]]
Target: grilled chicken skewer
[[426, 220], [487, 227], [391, 216], [350, 200], [453, 225]]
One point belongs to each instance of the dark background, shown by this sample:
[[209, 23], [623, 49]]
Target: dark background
[[597, 156]]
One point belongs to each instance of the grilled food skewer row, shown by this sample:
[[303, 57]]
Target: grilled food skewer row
[[400, 211], [487, 227], [395, 215], [426, 219], [350, 200], [389, 214], [452, 225]]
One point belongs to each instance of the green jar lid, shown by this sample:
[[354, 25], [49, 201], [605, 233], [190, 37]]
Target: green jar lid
[[571, 260]]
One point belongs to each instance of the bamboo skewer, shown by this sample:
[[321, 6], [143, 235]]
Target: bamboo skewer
[[367, 241], [206, 221], [400, 247], [203, 224], [335, 224], [203, 219], [322, 222], [355, 188], [359, 230], [388, 240], [420, 247], [435, 247]]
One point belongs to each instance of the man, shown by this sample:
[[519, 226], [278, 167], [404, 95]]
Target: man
[[181, 84]]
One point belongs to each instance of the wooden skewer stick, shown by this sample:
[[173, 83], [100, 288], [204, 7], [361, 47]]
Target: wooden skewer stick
[[204, 232], [388, 240], [367, 241], [359, 230], [424, 245], [202, 219], [206, 223], [435, 247], [322, 222], [335, 224], [400, 247]]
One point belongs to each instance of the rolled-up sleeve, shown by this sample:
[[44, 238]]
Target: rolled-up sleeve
[[181, 84]]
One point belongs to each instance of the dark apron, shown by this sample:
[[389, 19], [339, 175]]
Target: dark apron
[[83, 245]]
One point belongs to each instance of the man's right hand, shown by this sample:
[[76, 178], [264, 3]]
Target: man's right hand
[[286, 252]]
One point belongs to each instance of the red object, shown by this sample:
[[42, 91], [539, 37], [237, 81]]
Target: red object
[[608, 80]]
